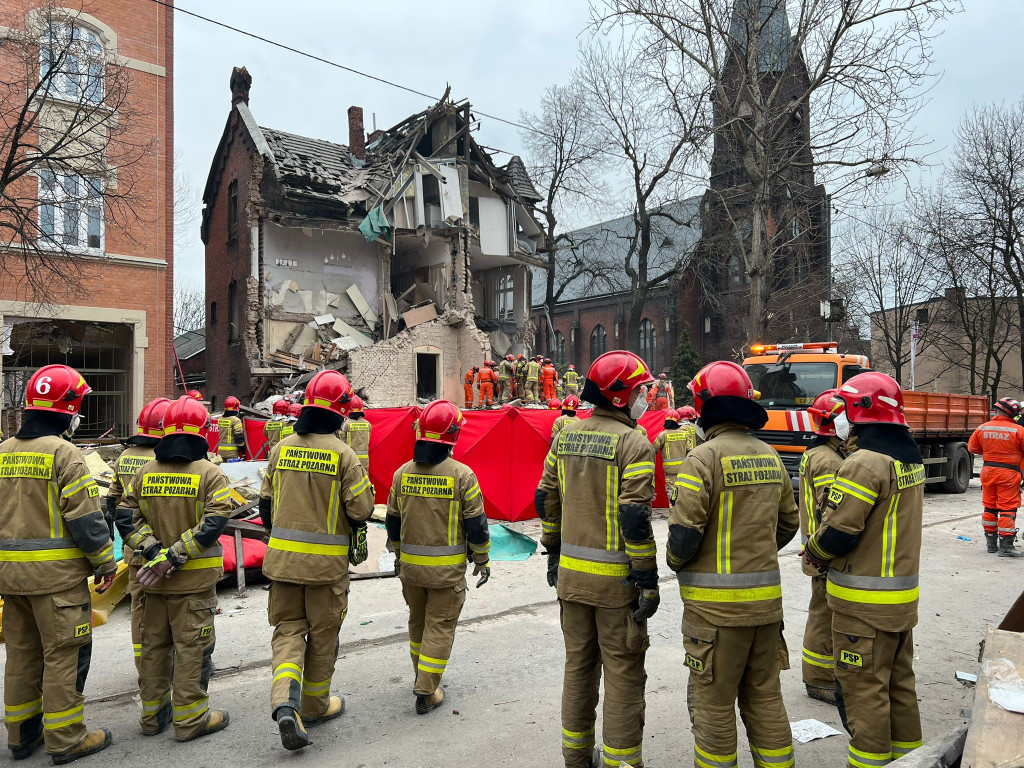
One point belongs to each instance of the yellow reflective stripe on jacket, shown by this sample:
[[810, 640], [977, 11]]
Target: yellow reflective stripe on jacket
[[418, 554], [723, 551], [40, 555], [105, 555], [642, 550], [820, 480], [75, 487], [596, 561], [223, 493], [361, 486], [855, 489], [751, 594], [729, 587], [689, 481], [611, 508], [17, 713], [873, 597], [551, 527], [473, 492], [307, 543], [889, 537], [638, 468]]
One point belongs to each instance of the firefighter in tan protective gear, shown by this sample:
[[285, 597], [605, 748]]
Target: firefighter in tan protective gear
[[672, 444], [594, 502], [294, 410], [52, 538], [314, 502], [533, 368], [231, 441], [733, 510], [569, 407], [140, 451], [869, 541], [506, 372], [272, 429], [180, 504], [817, 472], [435, 520], [572, 381], [355, 432]]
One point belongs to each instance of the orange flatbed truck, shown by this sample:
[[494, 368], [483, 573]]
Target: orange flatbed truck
[[790, 376]]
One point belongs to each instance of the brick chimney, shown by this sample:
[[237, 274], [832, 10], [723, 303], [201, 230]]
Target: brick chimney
[[241, 81], [356, 134]]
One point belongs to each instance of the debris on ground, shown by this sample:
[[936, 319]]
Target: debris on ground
[[809, 730]]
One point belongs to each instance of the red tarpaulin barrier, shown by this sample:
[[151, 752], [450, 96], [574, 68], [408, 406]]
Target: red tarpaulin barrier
[[253, 552], [505, 448], [255, 442]]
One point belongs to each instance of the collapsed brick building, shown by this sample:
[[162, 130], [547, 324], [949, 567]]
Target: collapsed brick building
[[401, 258]]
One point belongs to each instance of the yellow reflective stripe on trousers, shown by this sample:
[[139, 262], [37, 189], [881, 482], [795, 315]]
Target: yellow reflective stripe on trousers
[[772, 758], [901, 748], [137, 649], [889, 537], [577, 739], [863, 759], [54, 720], [723, 552], [616, 756], [611, 508], [191, 710], [17, 713], [152, 707], [705, 759], [316, 689], [431, 665], [414, 648], [819, 659], [288, 670]]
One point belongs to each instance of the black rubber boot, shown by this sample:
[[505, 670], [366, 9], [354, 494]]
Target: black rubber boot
[[827, 695], [293, 732], [1006, 548], [991, 543]]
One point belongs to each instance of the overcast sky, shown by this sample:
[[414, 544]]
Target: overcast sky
[[498, 55]]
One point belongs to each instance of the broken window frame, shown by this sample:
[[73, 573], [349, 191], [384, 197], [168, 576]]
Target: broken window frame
[[504, 297]]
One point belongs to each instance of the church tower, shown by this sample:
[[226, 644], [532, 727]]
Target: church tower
[[764, 82]]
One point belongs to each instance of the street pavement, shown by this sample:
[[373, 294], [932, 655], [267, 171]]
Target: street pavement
[[503, 683]]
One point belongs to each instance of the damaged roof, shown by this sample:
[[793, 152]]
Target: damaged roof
[[190, 343], [521, 181], [322, 169]]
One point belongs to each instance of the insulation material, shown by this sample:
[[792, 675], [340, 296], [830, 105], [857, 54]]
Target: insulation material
[[361, 339], [451, 195], [360, 303]]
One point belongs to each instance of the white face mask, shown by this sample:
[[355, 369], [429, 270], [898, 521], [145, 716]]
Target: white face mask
[[639, 406], [700, 431], [75, 421], [842, 425]]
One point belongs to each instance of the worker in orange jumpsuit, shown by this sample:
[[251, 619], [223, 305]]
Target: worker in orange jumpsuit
[[548, 380], [487, 379], [1000, 442], [661, 396], [468, 384]]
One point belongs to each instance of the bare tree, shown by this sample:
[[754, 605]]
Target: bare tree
[[656, 129], [888, 277], [188, 205], [975, 327], [565, 157], [189, 306], [987, 180], [853, 72], [68, 154]]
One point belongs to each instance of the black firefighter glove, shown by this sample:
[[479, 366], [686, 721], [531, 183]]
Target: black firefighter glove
[[109, 505], [359, 551], [552, 569], [650, 599], [483, 570]]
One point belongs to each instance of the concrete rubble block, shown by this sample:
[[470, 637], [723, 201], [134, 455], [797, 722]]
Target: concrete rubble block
[[344, 329], [361, 305]]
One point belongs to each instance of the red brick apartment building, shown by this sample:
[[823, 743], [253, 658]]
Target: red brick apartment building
[[100, 298]]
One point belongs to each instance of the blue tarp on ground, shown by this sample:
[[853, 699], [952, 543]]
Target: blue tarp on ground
[[510, 546]]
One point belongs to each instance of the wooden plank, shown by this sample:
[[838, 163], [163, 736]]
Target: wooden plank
[[995, 738], [344, 329], [362, 305]]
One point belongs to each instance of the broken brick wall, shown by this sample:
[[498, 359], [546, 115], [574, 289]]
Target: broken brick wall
[[387, 370]]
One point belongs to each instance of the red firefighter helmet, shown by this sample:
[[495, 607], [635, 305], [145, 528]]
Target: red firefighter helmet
[[185, 416], [294, 409], [231, 403], [823, 412], [280, 407], [873, 398], [547, 361], [554, 404], [356, 406], [329, 390], [672, 415], [687, 413], [440, 422], [1009, 407], [510, 358], [571, 403], [720, 379], [56, 388], [616, 374], [476, 369], [195, 394], [151, 417], [572, 367], [662, 376]]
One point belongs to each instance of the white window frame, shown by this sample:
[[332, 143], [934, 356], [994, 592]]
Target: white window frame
[[504, 297], [83, 74], [69, 206]]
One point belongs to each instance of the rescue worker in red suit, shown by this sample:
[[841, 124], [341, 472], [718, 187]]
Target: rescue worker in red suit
[[487, 380], [661, 396], [1000, 443], [548, 380], [468, 384], [594, 502]]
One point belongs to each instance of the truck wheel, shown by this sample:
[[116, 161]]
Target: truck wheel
[[959, 468]]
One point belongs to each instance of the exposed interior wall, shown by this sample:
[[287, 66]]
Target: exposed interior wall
[[387, 370], [307, 271], [428, 267]]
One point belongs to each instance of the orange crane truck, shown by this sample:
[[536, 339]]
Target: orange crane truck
[[790, 376]]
